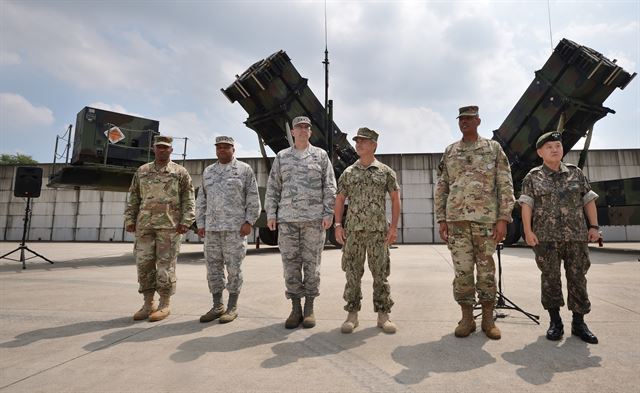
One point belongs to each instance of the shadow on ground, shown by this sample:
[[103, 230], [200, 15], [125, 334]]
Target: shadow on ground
[[447, 355], [318, 345], [74, 329], [541, 360], [193, 349]]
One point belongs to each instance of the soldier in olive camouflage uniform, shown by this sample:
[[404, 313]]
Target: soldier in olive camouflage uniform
[[300, 197], [160, 210], [555, 199], [368, 234], [474, 199], [228, 205]]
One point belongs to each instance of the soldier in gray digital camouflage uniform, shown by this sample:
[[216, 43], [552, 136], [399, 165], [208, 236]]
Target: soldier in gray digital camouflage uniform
[[160, 210], [299, 199], [367, 232], [555, 199], [228, 205], [473, 200]]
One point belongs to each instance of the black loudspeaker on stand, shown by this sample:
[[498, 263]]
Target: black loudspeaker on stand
[[502, 302], [28, 183]]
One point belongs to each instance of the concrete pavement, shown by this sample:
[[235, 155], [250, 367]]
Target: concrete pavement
[[68, 327]]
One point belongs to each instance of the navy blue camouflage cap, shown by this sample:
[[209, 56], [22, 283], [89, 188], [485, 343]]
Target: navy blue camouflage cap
[[471, 110], [300, 120], [548, 137], [225, 139], [163, 140], [366, 133]]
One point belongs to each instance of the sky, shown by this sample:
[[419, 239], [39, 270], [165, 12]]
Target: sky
[[400, 67]]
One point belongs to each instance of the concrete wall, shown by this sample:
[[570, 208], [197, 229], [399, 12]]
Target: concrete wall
[[87, 215]]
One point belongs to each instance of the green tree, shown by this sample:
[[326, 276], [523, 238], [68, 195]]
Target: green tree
[[16, 159]]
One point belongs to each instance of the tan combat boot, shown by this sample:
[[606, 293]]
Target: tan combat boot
[[467, 324], [147, 308], [385, 323], [163, 309], [232, 309], [351, 323], [295, 318], [488, 325], [216, 311], [309, 320]]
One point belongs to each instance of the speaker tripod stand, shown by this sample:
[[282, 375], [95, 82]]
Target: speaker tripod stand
[[502, 302], [23, 247]]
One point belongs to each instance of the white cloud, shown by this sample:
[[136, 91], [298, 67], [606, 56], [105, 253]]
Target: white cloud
[[405, 129], [17, 113], [9, 58], [111, 107]]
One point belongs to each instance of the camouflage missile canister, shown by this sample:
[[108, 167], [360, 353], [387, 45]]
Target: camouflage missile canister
[[272, 92], [575, 80]]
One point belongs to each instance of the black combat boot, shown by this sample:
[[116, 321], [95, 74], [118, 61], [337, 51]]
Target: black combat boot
[[556, 328], [580, 329]]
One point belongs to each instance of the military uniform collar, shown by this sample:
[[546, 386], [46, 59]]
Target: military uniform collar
[[231, 164], [301, 153], [471, 145], [164, 168], [375, 164], [549, 171]]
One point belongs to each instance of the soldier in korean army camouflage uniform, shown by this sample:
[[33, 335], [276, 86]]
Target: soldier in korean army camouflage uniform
[[367, 232], [474, 199], [228, 205], [300, 197], [555, 199], [160, 210]]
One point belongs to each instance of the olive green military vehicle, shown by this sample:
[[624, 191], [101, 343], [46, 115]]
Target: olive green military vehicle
[[108, 147]]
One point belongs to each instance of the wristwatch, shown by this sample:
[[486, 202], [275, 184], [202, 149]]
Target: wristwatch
[[594, 227], [337, 224]]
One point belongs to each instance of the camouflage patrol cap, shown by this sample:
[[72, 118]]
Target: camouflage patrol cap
[[300, 120], [548, 137], [468, 111], [366, 133], [225, 139], [163, 140]]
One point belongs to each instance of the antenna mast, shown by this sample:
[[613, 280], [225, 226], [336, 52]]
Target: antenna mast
[[328, 105]]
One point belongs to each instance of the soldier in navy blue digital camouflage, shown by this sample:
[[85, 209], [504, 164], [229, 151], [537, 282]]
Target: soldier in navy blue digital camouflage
[[300, 197], [228, 205], [555, 200], [367, 235], [473, 201], [160, 210]]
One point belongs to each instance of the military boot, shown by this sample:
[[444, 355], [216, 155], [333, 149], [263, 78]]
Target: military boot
[[467, 324], [556, 328], [488, 325], [351, 322], [309, 320], [147, 308], [580, 329], [385, 323], [295, 318], [216, 311], [232, 310], [163, 309]]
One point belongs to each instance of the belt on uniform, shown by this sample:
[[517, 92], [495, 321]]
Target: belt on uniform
[[158, 207]]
